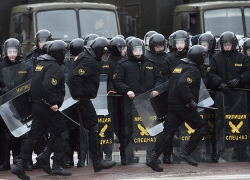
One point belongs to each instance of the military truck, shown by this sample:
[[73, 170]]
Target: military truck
[[65, 20], [214, 17]]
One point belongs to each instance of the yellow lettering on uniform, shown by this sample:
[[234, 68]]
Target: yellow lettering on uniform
[[149, 67], [39, 68], [177, 70], [238, 65], [105, 66], [22, 72]]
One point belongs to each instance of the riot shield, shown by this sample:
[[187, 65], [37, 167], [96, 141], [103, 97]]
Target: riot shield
[[15, 108], [231, 126], [18, 124], [153, 110], [100, 102]]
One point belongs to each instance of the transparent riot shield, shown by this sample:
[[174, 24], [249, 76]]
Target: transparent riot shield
[[153, 110], [100, 102], [15, 108]]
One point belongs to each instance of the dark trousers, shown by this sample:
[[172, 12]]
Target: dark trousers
[[175, 117], [46, 119]]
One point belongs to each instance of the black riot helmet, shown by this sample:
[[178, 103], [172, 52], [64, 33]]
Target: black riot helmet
[[207, 39], [116, 44], [246, 45], [43, 35], [181, 35], [136, 45], [12, 43], [57, 49], [157, 40], [98, 46], [228, 37], [89, 39], [128, 39], [197, 54], [76, 46], [147, 36], [45, 47]]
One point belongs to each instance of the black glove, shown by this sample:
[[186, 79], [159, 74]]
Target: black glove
[[233, 83], [224, 87], [192, 104]]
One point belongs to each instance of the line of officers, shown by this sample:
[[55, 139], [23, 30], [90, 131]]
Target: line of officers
[[133, 66]]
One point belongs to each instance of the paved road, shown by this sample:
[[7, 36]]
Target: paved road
[[205, 171]]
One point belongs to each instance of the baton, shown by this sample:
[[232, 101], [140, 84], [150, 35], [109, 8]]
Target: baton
[[204, 107], [63, 114]]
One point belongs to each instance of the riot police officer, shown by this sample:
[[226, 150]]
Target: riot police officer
[[147, 36], [118, 49], [246, 47], [133, 75], [42, 36], [183, 88], [180, 45], [209, 42], [13, 72], [229, 69], [84, 83], [47, 94]]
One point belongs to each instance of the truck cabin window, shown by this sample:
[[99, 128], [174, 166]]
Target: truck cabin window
[[247, 19], [100, 22], [61, 23], [220, 20]]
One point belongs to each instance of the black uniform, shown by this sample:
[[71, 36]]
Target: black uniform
[[184, 86], [139, 77], [226, 66], [12, 74], [173, 60], [31, 57], [160, 61], [84, 83], [47, 89]]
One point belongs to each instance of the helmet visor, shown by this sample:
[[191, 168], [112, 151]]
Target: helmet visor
[[137, 50]]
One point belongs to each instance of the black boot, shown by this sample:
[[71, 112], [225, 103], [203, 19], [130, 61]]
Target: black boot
[[102, 164], [167, 153], [152, 162], [162, 140], [186, 156], [58, 170], [18, 170], [29, 165], [95, 150], [44, 160], [37, 165], [191, 145]]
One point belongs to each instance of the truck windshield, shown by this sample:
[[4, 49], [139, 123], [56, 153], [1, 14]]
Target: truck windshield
[[61, 23], [247, 19], [100, 22], [221, 20]]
